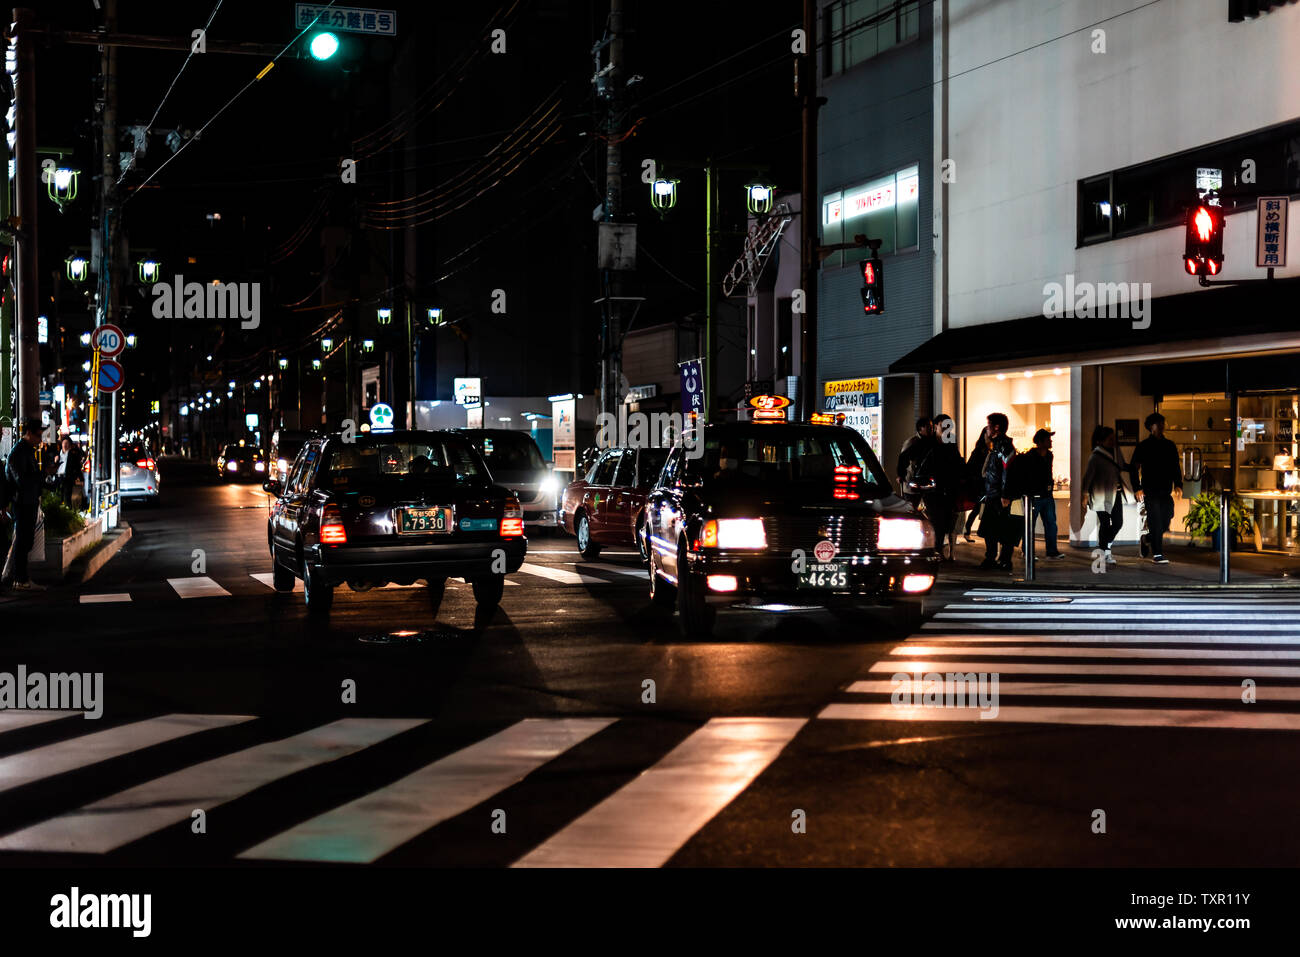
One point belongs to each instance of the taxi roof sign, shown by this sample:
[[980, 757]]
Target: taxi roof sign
[[769, 408]]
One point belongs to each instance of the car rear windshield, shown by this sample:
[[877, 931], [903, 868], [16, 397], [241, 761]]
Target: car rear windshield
[[133, 452], [510, 452], [403, 463], [773, 455]]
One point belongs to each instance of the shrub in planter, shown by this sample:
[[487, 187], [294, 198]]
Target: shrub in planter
[[60, 520], [1202, 519]]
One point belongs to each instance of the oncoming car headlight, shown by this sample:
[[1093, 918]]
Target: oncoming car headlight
[[549, 486], [904, 534]]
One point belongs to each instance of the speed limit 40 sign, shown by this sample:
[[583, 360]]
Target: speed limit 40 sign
[[109, 340]]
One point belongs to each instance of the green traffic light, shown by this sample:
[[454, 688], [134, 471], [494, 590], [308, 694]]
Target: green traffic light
[[324, 46]]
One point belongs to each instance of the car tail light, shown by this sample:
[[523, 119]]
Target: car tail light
[[917, 583], [732, 533], [144, 464], [904, 534], [232, 466], [512, 518], [846, 481], [722, 582], [332, 531]]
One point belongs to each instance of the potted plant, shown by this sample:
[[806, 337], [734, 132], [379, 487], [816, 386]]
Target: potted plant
[[1202, 519]]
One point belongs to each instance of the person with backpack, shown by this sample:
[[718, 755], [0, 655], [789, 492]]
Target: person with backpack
[[946, 470], [23, 476], [997, 527], [1103, 488], [915, 458], [975, 479]]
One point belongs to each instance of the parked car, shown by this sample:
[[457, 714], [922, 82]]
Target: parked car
[[138, 476], [241, 463], [516, 462], [396, 507], [778, 514], [606, 506]]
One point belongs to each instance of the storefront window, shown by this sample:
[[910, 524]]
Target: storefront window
[[1031, 399], [1267, 479], [1199, 425]]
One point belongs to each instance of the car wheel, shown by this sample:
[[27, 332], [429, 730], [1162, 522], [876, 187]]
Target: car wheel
[[282, 578], [586, 547], [695, 614], [661, 593], [437, 587], [642, 541], [318, 595], [488, 589]]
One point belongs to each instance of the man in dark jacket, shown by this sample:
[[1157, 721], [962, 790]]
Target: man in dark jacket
[[915, 461], [1031, 474], [995, 525], [23, 472], [975, 478], [1157, 477]]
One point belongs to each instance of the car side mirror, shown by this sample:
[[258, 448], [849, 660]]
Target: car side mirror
[[273, 486]]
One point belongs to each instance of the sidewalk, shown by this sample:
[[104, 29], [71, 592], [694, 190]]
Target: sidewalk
[[1188, 567]]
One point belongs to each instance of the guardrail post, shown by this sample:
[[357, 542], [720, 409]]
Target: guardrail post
[[1029, 537], [1225, 536]]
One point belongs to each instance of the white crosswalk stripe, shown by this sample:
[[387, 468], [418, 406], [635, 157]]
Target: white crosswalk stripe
[[642, 824], [198, 586], [1193, 659]]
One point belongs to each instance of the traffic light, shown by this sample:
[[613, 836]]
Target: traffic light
[[873, 286], [1203, 255], [323, 45]]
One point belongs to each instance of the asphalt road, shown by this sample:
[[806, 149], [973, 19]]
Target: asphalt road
[[529, 738]]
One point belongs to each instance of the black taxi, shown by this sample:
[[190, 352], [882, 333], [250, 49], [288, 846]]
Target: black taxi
[[369, 510], [773, 514]]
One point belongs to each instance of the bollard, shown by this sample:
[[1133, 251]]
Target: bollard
[[1029, 537], [1225, 536]]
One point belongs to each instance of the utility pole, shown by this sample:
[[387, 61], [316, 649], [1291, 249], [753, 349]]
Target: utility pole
[[610, 85], [27, 188], [810, 211], [711, 174]]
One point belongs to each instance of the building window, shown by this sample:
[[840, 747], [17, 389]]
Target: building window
[[858, 30], [885, 208], [1156, 195], [784, 338]]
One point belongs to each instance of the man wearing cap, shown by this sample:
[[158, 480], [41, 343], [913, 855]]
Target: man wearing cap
[[22, 470], [1040, 487], [1157, 477]]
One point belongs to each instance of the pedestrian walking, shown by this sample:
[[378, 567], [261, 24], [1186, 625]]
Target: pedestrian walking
[[1103, 488], [68, 470], [1039, 484], [1157, 479], [975, 479], [24, 478], [996, 525], [948, 474]]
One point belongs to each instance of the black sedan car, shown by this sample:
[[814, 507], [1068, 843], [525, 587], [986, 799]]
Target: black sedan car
[[778, 514], [395, 507]]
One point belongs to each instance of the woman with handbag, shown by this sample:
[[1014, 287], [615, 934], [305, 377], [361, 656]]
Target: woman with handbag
[[1104, 488]]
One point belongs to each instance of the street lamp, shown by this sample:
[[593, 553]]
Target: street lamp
[[315, 363], [85, 338], [367, 345], [61, 185], [759, 198], [435, 316], [78, 268], [326, 345], [663, 194], [385, 316], [284, 363], [85, 366], [150, 270], [130, 340]]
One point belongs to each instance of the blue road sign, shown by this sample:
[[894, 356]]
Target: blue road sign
[[110, 375]]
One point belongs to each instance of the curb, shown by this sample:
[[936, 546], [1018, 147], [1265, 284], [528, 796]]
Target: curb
[[101, 556]]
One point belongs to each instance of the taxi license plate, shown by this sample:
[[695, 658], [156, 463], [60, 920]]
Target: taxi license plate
[[824, 575], [425, 520]]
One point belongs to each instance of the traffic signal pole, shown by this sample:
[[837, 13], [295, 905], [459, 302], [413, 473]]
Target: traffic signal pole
[[810, 211], [27, 179]]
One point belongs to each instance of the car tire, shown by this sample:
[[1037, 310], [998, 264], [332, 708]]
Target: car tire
[[282, 578], [694, 613], [488, 590], [437, 587], [642, 541], [586, 547], [661, 593], [318, 595]]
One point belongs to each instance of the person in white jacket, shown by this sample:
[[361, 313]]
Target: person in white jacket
[[1104, 488]]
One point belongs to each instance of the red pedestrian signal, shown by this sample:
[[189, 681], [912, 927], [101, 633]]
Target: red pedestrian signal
[[873, 286], [1203, 255]]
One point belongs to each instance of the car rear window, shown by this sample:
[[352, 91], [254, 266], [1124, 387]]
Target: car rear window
[[358, 465], [511, 452], [773, 455]]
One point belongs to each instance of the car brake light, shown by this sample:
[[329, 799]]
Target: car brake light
[[332, 531], [846, 479], [512, 518], [144, 464], [732, 533]]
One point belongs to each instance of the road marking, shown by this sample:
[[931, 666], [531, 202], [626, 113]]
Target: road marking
[[11, 720], [554, 574], [1052, 667], [198, 586], [1091, 614], [106, 597], [1098, 624], [129, 815], [1082, 605], [1084, 690], [647, 821], [371, 826], [1039, 651], [616, 569], [1235, 720], [1128, 639], [268, 579], [27, 766], [571, 551]]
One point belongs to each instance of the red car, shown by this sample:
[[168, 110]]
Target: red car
[[607, 506]]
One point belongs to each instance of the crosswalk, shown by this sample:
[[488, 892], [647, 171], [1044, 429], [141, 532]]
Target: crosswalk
[[1187, 658], [685, 784], [203, 586]]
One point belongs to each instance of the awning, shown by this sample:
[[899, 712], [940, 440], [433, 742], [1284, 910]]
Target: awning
[[1257, 317]]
